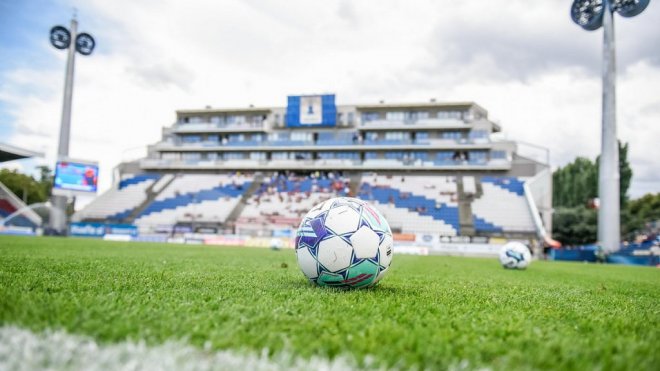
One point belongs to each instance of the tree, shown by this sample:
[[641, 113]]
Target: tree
[[638, 213], [574, 186], [575, 225], [577, 183], [24, 186]]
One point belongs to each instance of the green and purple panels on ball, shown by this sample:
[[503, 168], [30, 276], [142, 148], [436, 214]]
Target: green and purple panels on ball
[[344, 242]]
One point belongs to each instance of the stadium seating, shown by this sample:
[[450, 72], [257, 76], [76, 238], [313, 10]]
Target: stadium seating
[[192, 197], [502, 207], [282, 200], [9, 204], [117, 203], [415, 204]]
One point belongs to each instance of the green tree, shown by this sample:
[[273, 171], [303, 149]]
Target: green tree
[[638, 213], [575, 225], [574, 186], [23, 186]]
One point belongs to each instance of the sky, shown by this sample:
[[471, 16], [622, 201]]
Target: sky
[[535, 71]]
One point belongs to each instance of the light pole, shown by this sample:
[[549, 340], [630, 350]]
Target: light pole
[[83, 43], [591, 15]]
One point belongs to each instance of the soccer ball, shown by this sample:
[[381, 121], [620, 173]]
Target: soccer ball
[[515, 255], [344, 242]]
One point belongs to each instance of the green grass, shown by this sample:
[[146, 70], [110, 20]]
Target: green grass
[[432, 311]]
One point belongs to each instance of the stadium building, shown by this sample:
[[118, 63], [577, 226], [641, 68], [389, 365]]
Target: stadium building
[[437, 171]]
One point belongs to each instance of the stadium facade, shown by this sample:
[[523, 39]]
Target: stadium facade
[[436, 170]]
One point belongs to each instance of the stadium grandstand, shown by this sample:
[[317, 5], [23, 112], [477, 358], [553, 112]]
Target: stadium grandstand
[[437, 171], [10, 220]]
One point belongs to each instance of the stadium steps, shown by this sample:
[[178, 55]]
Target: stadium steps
[[465, 208], [152, 193], [238, 209]]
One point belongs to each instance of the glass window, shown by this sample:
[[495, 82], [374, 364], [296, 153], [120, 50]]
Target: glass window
[[280, 155], [191, 138], [257, 155], [192, 156], [420, 156], [235, 119], [395, 116], [350, 118], [233, 156], [212, 156], [444, 155], [301, 155], [394, 155], [170, 155], [371, 155], [370, 116], [498, 155]]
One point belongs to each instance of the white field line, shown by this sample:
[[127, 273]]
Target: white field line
[[22, 349]]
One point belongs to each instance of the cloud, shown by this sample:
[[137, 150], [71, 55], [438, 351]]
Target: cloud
[[536, 72]]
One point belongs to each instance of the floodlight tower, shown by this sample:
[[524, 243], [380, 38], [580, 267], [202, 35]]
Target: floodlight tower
[[84, 44], [591, 15]]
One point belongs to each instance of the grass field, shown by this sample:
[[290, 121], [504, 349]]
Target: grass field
[[429, 312]]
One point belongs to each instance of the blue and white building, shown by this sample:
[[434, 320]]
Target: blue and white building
[[435, 169]]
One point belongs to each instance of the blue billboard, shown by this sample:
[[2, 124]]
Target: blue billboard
[[101, 229], [76, 176], [311, 110]]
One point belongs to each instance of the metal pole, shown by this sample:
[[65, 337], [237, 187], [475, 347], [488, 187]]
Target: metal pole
[[608, 178], [58, 218], [65, 126]]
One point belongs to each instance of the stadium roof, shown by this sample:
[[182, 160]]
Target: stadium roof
[[9, 153]]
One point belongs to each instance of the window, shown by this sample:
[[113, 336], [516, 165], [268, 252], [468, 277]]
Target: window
[[397, 135], [280, 155], [257, 155], [422, 135], [350, 118], [348, 155], [478, 134], [217, 119], [499, 155], [212, 156], [302, 136], [233, 156], [444, 156], [235, 119], [170, 156], [233, 138], [413, 116], [301, 155], [452, 135], [394, 155], [191, 138], [370, 155], [192, 156], [370, 116], [395, 116], [420, 156]]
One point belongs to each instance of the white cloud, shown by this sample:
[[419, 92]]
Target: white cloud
[[535, 71]]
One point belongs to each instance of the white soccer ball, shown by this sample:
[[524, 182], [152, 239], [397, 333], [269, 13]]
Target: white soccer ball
[[344, 242], [515, 255]]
